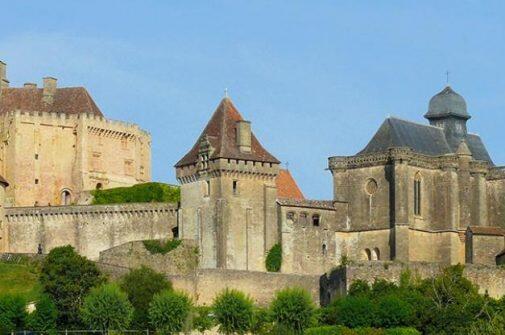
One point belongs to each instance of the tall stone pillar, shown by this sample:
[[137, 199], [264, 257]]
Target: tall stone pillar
[[481, 218], [452, 210], [340, 184]]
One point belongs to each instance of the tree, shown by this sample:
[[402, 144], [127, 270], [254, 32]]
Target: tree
[[141, 285], [233, 311], [107, 308], [393, 312], [12, 313], [353, 312], [67, 277], [45, 315], [293, 310], [169, 311], [273, 261]]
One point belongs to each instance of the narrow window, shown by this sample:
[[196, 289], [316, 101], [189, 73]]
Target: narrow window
[[367, 255], [207, 188], [65, 198], [325, 250], [36, 156], [175, 232], [99, 186], [235, 187], [316, 220], [290, 216], [417, 195], [376, 255], [303, 219], [36, 181]]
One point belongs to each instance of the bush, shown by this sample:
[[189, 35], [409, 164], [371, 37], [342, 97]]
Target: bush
[[44, 317], [233, 311], [393, 312], [369, 331], [402, 331], [147, 192], [353, 312], [330, 330], [67, 277], [293, 310], [12, 313], [141, 285], [161, 247], [107, 308], [203, 318], [169, 311], [359, 288], [273, 261], [262, 322]]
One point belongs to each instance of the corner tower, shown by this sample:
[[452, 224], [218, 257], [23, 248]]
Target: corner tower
[[228, 193]]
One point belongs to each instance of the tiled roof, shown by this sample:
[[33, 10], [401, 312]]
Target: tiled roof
[[68, 100], [287, 187], [221, 133], [494, 231], [321, 204]]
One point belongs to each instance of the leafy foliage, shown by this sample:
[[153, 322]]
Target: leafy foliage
[[107, 308], [203, 318], [352, 312], [273, 261], [45, 315], [12, 313], [147, 192], [67, 277], [330, 330], [392, 311], [141, 285], [293, 310], [233, 311], [161, 247], [169, 311]]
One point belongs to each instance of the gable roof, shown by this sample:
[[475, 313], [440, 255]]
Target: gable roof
[[487, 230], [424, 139], [68, 100], [287, 187], [221, 133]]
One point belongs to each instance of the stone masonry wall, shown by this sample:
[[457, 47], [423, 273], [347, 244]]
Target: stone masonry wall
[[90, 229]]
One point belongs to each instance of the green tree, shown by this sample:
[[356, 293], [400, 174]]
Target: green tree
[[273, 261], [107, 308], [293, 310], [203, 318], [12, 313], [141, 285], [45, 315], [393, 312], [353, 312], [67, 277], [233, 311], [169, 311]]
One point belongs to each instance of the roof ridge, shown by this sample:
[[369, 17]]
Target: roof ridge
[[413, 122]]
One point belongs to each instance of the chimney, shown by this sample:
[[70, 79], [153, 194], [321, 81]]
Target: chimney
[[30, 85], [3, 76], [244, 135], [49, 89]]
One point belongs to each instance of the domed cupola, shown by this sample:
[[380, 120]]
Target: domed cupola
[[447, 103]]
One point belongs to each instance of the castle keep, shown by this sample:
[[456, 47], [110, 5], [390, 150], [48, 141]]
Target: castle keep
[[417, 193]]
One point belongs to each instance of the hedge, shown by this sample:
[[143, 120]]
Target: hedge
[[147, 192], [161, 247]]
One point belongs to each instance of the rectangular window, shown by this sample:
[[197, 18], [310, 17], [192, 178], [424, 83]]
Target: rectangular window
[[128, 167], [36, 156], [417, 197], [235, 187], [207, 188], [36, 181]]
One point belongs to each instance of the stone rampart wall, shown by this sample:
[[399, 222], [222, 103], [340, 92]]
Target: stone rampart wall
[[90, 229]]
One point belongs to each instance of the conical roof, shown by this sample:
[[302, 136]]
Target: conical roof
[[447, 103], [221, 134]]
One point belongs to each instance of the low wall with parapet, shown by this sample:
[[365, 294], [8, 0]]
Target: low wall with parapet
[[490, 279], [182, 260], [90, 229]]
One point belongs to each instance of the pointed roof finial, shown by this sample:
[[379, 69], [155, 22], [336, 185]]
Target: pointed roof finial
[[226, 93], [447, 77]]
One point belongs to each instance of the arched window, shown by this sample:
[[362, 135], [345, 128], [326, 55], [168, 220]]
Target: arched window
[[417, 194], [367, 255], [376, 256], [66, 197], [290, 216], [316, 220], [99, 186]]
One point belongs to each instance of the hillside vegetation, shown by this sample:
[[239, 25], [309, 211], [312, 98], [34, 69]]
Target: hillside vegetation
[[147, 192], [19, 279]]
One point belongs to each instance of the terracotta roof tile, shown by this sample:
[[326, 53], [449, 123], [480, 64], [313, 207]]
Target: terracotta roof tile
[[68, 100], [287, 187], [221, 134], [495, 231]]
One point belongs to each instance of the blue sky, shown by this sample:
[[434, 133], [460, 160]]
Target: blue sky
[[316, 78]]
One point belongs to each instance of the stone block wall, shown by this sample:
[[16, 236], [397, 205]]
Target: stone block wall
[[90, 229]]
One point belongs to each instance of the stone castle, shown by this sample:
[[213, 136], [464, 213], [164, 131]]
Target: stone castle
[[417, 193]]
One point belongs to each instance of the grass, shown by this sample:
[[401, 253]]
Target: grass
[[147, 192], [19, 279]]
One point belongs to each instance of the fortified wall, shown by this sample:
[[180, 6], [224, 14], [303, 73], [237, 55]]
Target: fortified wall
[[90, 229]]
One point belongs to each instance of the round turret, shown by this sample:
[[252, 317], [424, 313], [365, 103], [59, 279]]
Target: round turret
[[447, 103]]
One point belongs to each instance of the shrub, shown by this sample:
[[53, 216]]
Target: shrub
[[233, 311], [141, 285], [161, 247], [45, 315], [293, 310], [353, 312], [262, 322], [402, 331], [382, 287], [359, 288], [393, 312], [169, 311], [67, 277], [147, 192], [330, 330], [203, 318], [273, 261], [12, 313], [107, 308]]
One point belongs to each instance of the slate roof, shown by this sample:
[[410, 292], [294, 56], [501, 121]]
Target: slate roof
[[424, 139], [287, 187], [321, 204], [447, 103], [221, 134], [68, 100]]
